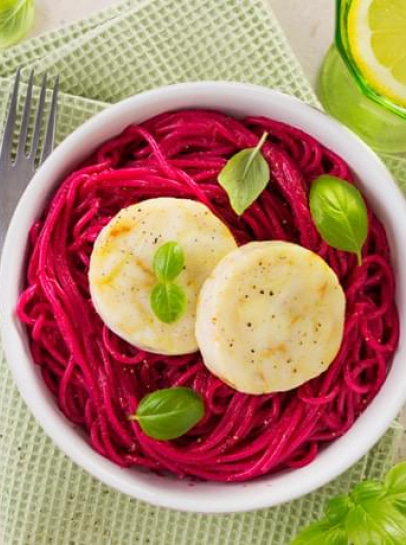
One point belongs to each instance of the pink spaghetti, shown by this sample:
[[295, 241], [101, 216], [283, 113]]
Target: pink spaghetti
[[98, 379]]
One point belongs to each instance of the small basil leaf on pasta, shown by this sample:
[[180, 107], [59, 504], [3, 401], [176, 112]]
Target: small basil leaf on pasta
[[168, 302], [339, 213], [16, 17], [169, 261], [169, 413], [245, 176]]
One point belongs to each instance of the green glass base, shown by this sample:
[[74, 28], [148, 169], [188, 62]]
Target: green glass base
[[343, 99]]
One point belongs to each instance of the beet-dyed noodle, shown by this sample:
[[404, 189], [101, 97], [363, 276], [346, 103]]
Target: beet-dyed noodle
[[98, 379]]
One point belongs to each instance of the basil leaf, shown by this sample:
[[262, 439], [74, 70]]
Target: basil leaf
[[169, 261], [373, 517], [168, 301], [245, 176], [372, 514], [339, 213], [366, 492], [323, 532], [169, 413], [395, 480], [16, 18], [331, 529], [395, 486], [338, 508]]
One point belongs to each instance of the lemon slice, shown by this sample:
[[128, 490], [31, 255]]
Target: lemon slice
[[377, 39]]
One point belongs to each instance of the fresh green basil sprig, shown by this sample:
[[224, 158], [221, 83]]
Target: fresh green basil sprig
[[168, 300], [245, 176], [373, 513], [169, 413], [339, 213], [16, 18]]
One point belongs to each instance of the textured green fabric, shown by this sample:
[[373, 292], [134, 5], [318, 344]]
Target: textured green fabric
[[138, 45]]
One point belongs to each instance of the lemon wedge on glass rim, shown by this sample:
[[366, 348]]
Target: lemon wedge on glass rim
[[377, 40]]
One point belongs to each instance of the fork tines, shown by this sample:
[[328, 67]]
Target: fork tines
[[23, 153]]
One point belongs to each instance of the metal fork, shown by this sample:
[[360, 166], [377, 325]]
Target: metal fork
[[16, 173]]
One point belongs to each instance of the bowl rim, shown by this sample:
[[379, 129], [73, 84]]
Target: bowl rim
[[281, 487]]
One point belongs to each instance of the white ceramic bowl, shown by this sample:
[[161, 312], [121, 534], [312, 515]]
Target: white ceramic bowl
[[239, 100]]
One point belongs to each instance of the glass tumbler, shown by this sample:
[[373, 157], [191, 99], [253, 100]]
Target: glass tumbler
[[347, 95]]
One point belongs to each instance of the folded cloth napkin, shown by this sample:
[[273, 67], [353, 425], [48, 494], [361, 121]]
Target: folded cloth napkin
[[133, 46]]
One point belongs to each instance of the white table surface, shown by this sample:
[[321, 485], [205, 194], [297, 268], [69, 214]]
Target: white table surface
[[308, 25]]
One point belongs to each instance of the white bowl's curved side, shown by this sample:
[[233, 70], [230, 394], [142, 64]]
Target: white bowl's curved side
[[240, 100]]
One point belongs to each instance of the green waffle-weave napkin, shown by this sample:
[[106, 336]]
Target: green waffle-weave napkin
[[138, 45]]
